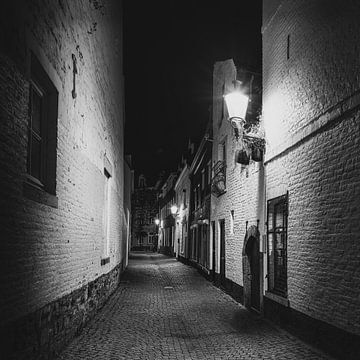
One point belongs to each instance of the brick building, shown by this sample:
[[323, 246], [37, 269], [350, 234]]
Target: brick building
[[199, 211], [182, 197], [167, 243], [128, 192], [182, 189], [63, 222], [144, 212], [311, 116], [237, 188]]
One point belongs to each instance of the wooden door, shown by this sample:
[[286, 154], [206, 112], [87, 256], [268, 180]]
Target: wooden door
[[254, 259]]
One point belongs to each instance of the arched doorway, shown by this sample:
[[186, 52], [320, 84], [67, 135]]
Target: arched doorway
[[251, 268]]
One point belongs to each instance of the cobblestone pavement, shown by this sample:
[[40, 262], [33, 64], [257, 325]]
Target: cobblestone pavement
[[164, 309]]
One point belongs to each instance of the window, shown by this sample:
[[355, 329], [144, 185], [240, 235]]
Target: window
[[232, 222], [198, 191], [42, 129], [223, 105], [277, 245], [209, 172], [202, 179], [288, 47], [222, 151]]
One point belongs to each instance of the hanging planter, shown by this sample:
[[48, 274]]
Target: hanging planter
[[256, 153], [256, 146], [242, 157]]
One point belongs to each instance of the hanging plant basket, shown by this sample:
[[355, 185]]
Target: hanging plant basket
[[256, 153], [242, 157], [256, 146]]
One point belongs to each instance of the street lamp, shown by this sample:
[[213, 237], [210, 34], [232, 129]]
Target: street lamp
[[236, 103], [157, 223], [174, 210]]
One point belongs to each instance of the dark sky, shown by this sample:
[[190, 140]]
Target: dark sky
[[169, 51]]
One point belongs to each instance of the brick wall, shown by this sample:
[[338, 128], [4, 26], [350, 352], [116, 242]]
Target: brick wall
[[311, 115], [182, 221], [244, 184], [49, 252], [144, 212]]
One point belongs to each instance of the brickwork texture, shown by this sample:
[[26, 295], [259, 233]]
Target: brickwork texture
[[244, 184], [310, 103], [50, 252]]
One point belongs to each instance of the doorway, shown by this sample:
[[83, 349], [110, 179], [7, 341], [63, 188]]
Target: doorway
[[252, 252], [252, 269]]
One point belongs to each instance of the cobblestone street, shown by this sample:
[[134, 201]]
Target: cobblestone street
[[164, 309]]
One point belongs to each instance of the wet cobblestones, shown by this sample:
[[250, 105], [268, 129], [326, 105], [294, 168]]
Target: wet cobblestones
[[166, 310]]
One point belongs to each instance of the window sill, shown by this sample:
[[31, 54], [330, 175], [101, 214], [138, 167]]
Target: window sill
[[35, 193], [105, 260], [279, 299]]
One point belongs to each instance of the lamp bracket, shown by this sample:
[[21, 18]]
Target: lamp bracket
[[237, 123]]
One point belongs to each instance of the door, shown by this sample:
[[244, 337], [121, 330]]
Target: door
[[222, 252], [254, 259]]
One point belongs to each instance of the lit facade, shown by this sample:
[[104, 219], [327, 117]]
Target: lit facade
[[144, 212], [237, 219], [198, 247], [311, 118], [128, 192], [167, 242], [182, 197], [63, 219]]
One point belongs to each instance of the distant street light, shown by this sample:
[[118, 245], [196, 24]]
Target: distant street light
[[157, 222], [236, 103]]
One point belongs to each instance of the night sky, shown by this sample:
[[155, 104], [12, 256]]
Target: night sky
[[169, 51]]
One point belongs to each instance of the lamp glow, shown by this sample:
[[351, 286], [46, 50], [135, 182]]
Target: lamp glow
[[157, 221], [236, 103], [174, 209]]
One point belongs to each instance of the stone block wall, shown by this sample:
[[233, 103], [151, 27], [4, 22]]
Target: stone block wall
[[43, 333], [311, 114], [52, 244]]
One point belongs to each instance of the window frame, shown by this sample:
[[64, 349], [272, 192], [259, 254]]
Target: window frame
[[42, 188], [36, 88], [232, 221], [275, 206]]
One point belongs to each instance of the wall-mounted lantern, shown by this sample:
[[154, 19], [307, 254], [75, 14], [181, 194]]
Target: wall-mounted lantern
[[157, 222], [236, 103], [174, 211]]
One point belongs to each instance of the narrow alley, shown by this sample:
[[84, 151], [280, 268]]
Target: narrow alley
[[164, 309]]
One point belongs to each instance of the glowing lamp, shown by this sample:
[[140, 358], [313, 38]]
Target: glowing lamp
[[237, 103], [157, 221], [174, 210]]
